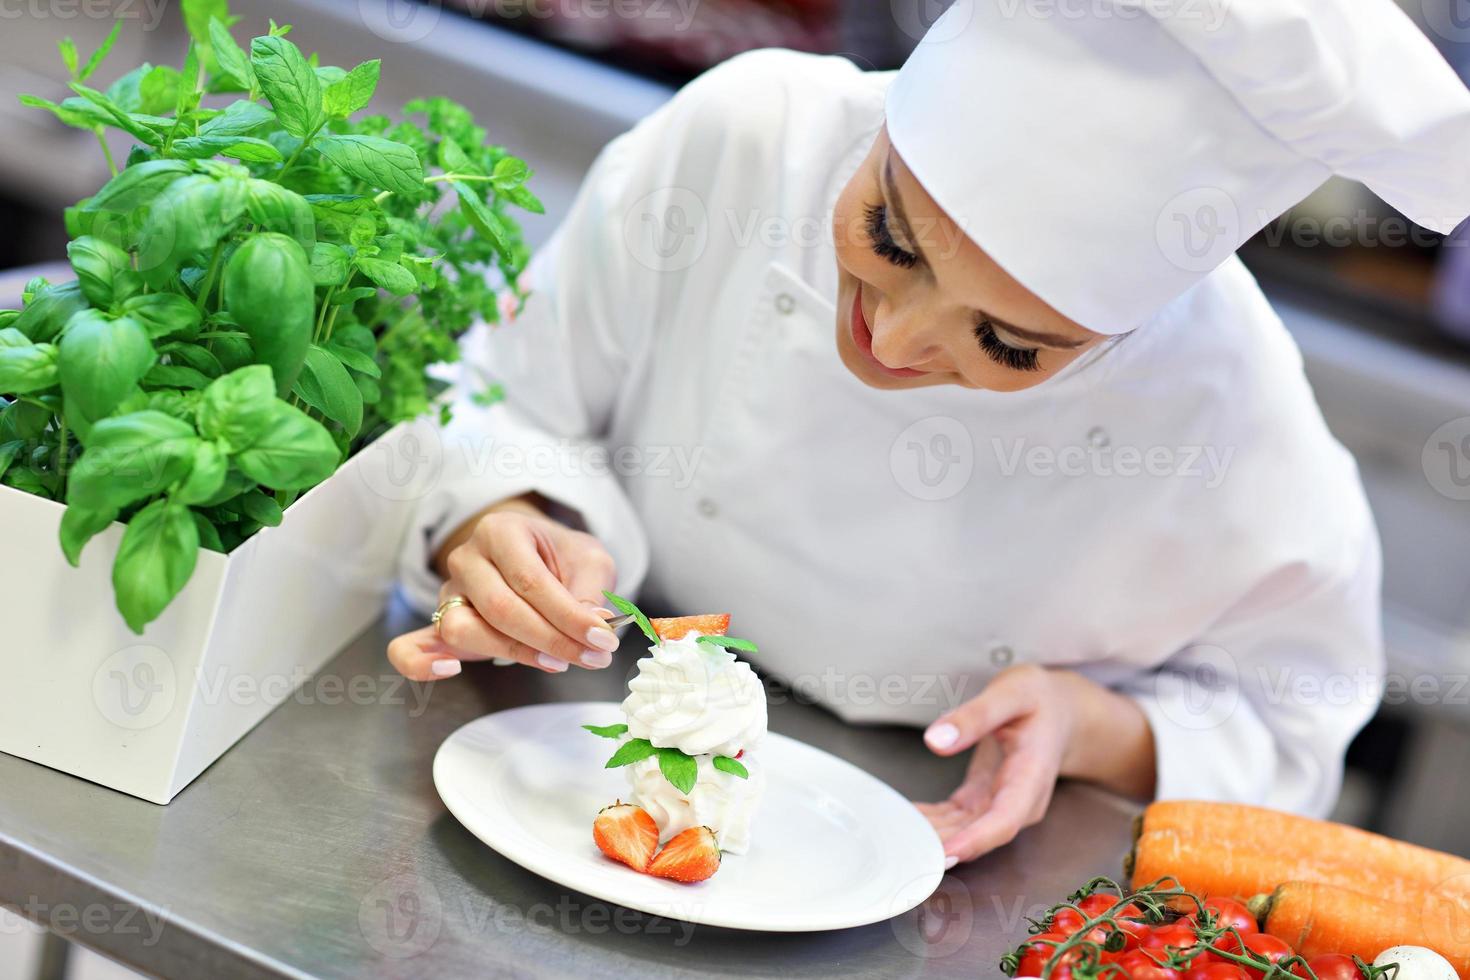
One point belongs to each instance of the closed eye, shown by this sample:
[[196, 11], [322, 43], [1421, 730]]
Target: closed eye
[[1015, 358], [882, 241]]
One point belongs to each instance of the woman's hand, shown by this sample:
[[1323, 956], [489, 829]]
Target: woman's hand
[[534, 595], [1029, 727]]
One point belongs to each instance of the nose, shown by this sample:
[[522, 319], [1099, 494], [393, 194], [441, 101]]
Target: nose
[[901, 338]]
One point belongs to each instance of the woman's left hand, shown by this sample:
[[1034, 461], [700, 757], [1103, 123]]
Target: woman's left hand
[[1030, 726]]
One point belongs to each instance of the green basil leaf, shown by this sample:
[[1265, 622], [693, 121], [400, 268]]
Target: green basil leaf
[[189, 216], [236, 407], [628, 609], [631, 751], [176, 376], [208, 534], [129, 457], [353, 91], [49, 310], [290, 84], [733, 766], [240, 118], [355, 359], [158, 91], [390, 275], [261, 508], [269, 292], [522, 198], [246, 148], [206, 475], [154, 562], [163, 315], [69, 56], [8, 452], [291, 451], [78, 526], [101, 361], [196, 356], [679, 769], [607, 731], [330, 264], [349, 296], [379, 162], [453, 158], [325, 385], [25, 367], [97, 264], [138, 185], [336, 213], [274, 208], [230, 57]]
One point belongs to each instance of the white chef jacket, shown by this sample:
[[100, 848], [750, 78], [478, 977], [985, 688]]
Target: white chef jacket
[[1168, 516]]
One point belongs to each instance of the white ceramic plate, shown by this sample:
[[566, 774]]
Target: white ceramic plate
[[831, 846]]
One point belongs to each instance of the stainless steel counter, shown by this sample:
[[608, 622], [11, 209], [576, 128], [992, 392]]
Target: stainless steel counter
[[318, 847]]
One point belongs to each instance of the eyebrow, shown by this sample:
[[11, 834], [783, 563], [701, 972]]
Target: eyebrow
[[1039, 337]]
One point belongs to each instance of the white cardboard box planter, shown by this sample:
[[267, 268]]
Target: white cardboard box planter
[[82, 693]]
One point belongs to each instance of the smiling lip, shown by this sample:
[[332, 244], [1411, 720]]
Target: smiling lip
[[863, 337]]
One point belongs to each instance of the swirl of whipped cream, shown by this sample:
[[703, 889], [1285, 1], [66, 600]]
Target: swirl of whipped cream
[[695, 698]]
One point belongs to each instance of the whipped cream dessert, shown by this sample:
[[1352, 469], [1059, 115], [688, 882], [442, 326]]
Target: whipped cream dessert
[[702, 700]]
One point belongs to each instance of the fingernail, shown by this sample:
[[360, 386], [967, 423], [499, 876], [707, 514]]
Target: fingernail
[[445, 668], [950, 860], [604, 612], [595, 658], [551, 663], [602, 638], [942, 735]]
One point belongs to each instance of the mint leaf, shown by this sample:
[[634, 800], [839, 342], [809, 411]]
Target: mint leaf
[[729, 643], [375, 161], [352, 91], [733, 766], [631, 751], [606, 731], [679, 769], [628, 609], [289, 83]]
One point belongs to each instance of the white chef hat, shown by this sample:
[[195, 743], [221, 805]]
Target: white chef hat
[[1110, 153]]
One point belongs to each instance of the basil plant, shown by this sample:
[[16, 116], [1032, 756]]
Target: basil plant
[[261, 288]]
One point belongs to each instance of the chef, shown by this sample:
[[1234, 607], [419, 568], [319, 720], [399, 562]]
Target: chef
[[948, 385]]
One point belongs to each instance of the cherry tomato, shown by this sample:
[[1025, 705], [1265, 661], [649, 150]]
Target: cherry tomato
[[1066, 921], [1229, 913], [1038, 952], [1174, 935], [1096, 904], [1330, 966], [1140, 966], [1217, 971], [1270, 947]]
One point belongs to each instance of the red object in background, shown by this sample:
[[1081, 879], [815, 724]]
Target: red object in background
[[669, 36]]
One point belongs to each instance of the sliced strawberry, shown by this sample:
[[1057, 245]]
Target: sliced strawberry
[[625, 832], [710, 624], [690, 856]]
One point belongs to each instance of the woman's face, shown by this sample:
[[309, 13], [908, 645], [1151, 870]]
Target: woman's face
[[920, 304]]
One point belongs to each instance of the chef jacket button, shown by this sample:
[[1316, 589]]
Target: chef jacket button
[[1002, 656], [708, 507], [785, 302], [1098, 438]]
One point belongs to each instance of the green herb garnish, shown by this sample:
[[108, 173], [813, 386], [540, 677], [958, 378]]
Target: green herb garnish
[[628, 609], [733, 766], [729, 643], [607, 731]]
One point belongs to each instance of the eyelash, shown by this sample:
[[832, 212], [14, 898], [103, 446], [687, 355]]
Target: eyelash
[[1015, 358], [883, 244]]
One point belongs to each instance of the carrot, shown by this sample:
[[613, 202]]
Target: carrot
[[1316, 919], [1240, 869], [1377, 857]]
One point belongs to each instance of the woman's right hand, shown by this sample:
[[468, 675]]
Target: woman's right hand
[[533, 590]]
